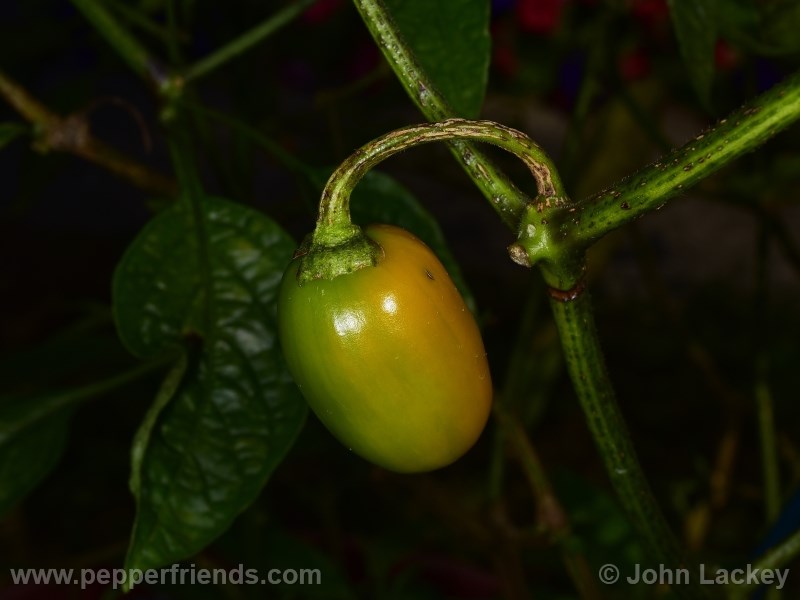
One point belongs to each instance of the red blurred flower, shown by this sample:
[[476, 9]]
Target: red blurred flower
[[539, 16], [505, 60], [726, 57]]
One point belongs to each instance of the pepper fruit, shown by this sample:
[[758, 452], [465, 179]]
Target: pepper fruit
[[388, 356]]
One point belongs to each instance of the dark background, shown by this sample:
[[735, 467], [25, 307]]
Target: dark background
[[690, 300]]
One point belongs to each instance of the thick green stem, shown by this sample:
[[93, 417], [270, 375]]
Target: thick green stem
[[247, 40], [126, 45], [647, 190], [584, 358], [333, 223], [507, 200]]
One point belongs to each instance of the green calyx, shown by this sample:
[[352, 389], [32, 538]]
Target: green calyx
[[333, 251]]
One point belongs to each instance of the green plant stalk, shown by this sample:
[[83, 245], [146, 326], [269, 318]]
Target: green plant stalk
[[590, 219], [779, 556], [575, 226], [506, 199], [333, 223], [587, 370], [48, 405], [166, 392], [126, 45], [247, 40]]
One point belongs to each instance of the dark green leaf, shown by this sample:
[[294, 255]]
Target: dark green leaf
[[380, 199], [157, 286], [28, 451], [696, 29], [203, 456], [451, 42], [10, 131]]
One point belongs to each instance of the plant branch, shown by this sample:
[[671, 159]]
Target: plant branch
[[21, 413], [72, 134], [507, 200], [648, 189], [556, 237], [247, 40], [126, 45], [584, 357]]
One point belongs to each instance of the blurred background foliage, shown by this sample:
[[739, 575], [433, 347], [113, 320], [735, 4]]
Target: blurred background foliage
[[696, 303]]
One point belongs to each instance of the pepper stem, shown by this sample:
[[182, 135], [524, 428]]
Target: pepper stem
[[335, 230], [334, 211]]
